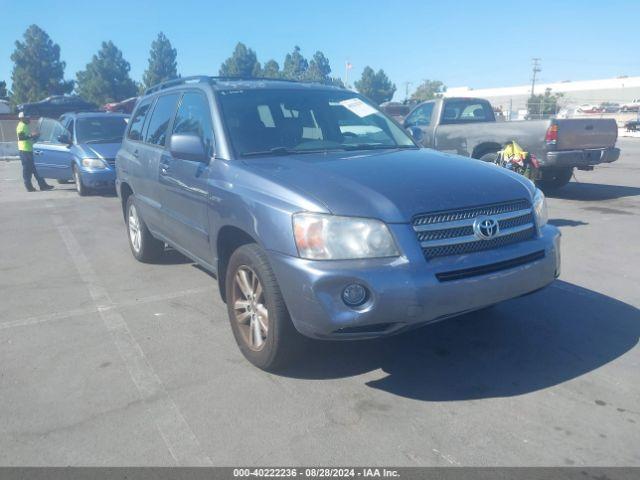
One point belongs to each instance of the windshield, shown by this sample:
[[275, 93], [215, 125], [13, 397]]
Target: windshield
[[100, 129], [298, 121]]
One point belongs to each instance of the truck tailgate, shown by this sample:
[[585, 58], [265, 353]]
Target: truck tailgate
[[584, 133]]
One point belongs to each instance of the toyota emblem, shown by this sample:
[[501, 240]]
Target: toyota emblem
[[486, 228]]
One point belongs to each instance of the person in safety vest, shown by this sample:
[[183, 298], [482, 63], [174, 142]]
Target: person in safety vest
[[25, 148]]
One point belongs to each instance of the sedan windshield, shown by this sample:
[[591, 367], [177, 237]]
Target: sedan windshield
[[100, 129], [283, 121]]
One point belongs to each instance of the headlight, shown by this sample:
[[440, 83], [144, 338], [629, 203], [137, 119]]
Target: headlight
[[94, 163], [329, 237], [540, 208]]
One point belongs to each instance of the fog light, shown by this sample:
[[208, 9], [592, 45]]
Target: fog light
[[354, 295]]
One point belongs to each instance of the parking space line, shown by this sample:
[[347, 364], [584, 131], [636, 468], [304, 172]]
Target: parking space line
[[173, 427], [78, 312]]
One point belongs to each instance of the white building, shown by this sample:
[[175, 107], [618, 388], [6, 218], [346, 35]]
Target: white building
[[617, 90]]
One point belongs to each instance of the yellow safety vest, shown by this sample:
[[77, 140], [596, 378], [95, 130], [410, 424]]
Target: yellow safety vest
[[24, 145]]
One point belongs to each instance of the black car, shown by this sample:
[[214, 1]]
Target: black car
[[56, 105]]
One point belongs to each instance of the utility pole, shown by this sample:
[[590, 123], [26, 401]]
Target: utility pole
[[536, 68], [347, 66], [406, 91]]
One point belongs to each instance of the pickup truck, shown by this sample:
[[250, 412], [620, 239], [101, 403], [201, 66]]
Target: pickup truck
[[467, 126], [319, 216]]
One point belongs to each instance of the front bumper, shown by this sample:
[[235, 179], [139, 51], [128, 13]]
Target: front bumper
[[404, 291], [104, 178], [580, 158]]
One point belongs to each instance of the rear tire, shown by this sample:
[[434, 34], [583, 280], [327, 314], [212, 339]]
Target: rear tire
[[259, 317], [144, 246], [80, 187], [554, 178]]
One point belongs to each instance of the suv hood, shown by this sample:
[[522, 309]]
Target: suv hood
[[393, 185]]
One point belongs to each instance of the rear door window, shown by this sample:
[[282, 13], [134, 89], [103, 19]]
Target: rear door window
[[466, 111], [137, 121], [165, 106], [193, 118]]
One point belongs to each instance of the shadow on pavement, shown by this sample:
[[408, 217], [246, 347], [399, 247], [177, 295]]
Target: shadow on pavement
[[565, 222], [521, 346], [593, 192], [172, 257]]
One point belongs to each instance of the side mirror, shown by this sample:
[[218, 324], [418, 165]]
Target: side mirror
[[187, 147], [64, 138], [416, 133]]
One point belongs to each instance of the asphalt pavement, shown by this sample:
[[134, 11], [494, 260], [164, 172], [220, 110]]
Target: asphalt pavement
[[107, 361]]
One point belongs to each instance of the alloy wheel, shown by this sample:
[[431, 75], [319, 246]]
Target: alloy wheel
[[134, 228], [249, 308]]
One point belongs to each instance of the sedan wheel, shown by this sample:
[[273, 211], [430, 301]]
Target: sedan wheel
[[249, 307]]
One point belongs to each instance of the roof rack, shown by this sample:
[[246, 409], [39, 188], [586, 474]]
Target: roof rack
[[208, 79], [178, 81], [239, 77]]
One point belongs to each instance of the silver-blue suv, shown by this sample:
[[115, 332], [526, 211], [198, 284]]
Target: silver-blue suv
[[320, 216]]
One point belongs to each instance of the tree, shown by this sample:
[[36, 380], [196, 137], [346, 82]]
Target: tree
[[295, 65], [319, 69], [242, 63], [162, 62], [38, 71], [539, 106], [271, 69], [376, 86], [3, 89], [428, 90], [106, 77]]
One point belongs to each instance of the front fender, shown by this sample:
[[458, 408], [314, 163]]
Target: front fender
[[259, 207]]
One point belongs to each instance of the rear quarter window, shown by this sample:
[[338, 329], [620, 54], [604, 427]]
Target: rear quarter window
[[137, 121]]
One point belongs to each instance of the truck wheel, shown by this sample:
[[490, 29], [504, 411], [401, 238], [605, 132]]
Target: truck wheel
[[554, 178], [143, 246], [259, 318]]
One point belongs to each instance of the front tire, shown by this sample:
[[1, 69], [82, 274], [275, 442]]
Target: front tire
[[259, 317], [491, 157], [554, 178], [144, 246], [82, 190]]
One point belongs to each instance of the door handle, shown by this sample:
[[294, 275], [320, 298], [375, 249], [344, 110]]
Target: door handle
[[135, 153], [37, 152]]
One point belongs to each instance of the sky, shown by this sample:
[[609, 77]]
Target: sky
[[479, 44]]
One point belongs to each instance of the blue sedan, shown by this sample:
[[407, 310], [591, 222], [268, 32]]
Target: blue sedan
[[81, 147]]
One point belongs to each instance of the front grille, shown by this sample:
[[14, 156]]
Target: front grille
[[111, 162], [466, 213], [451, 233]]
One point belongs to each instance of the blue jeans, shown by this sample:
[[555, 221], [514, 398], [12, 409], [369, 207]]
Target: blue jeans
[[29, 169]]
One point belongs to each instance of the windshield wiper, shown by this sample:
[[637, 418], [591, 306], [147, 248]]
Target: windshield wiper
[[102, 140], [289, 151], [371, 146], [271, 151]]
